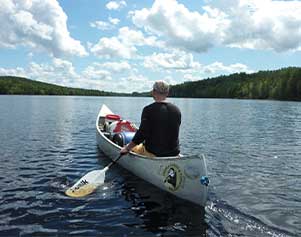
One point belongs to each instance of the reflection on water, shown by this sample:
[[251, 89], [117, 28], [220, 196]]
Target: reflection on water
[[253, 151], [161, 212]]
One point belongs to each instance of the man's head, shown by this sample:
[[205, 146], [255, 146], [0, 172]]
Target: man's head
[[161, 88]]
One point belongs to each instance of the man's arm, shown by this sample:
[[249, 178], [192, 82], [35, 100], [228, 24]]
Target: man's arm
[[140, 134], [127, 148]]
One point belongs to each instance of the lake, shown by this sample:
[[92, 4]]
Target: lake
[[253, 151]]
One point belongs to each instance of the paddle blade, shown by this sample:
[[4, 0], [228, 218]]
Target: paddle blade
[[80, 192], [87, 184]]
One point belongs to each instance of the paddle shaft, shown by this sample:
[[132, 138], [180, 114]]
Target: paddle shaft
[[114, 161]]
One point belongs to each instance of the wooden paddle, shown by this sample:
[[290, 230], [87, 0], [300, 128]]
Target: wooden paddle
[[89, 182]]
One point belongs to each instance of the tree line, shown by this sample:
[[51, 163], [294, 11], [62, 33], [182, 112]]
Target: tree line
[[23, 86], [282, 84]]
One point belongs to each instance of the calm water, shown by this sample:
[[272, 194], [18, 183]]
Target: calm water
[[253, 151]]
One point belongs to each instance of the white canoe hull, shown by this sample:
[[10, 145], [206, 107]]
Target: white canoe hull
[[187, 170]]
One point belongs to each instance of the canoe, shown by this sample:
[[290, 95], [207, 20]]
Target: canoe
[[184, 176]]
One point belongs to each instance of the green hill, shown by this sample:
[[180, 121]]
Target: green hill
[[22, 86], [282, 84]]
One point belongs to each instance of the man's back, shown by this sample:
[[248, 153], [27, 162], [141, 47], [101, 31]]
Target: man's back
[[160, 123], [159, 128]]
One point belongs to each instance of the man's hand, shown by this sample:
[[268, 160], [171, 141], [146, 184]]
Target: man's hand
[[124, 150], [127, 148]]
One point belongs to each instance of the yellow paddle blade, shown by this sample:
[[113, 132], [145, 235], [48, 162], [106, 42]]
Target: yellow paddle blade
[[82, 191], [87, 184]]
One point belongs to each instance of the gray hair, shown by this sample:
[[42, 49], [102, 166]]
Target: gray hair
[[161, 87]]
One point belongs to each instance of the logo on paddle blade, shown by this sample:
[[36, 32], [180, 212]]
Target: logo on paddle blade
[[173, 177], [82, 183]]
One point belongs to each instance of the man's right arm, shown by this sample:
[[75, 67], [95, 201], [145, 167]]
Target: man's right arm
[[143, 128], [140, 134]]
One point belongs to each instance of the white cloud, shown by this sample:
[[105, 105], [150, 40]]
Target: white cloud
[[59, 72], [103, 25], [64, 67], [18, 71], [137, 82], [39, 24], [124, 45], [114, 21], [174, 60], [112, 48], [172, 81], [116, 67], [108, 76], [255, 24], [220, 68], [104, 71], [115, 5], [192, 77], [264, 24], [180, 27], [96, 73], [134, 37], [215, 69]]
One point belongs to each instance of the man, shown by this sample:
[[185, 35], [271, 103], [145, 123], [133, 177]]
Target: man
[[158, 134]]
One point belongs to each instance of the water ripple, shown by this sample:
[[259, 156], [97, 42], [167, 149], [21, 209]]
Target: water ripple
[[253, 151]]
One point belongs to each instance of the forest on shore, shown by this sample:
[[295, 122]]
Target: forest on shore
[[11, 85], [282, 84]]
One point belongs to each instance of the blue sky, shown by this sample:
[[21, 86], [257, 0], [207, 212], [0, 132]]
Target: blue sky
[[126, 45]]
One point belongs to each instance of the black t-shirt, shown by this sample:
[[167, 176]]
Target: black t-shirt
[[159, 129]]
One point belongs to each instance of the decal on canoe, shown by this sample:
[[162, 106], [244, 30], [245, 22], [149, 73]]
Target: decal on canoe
[[173, 177]]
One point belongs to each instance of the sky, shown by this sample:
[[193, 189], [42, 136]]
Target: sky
[[126, 45]]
